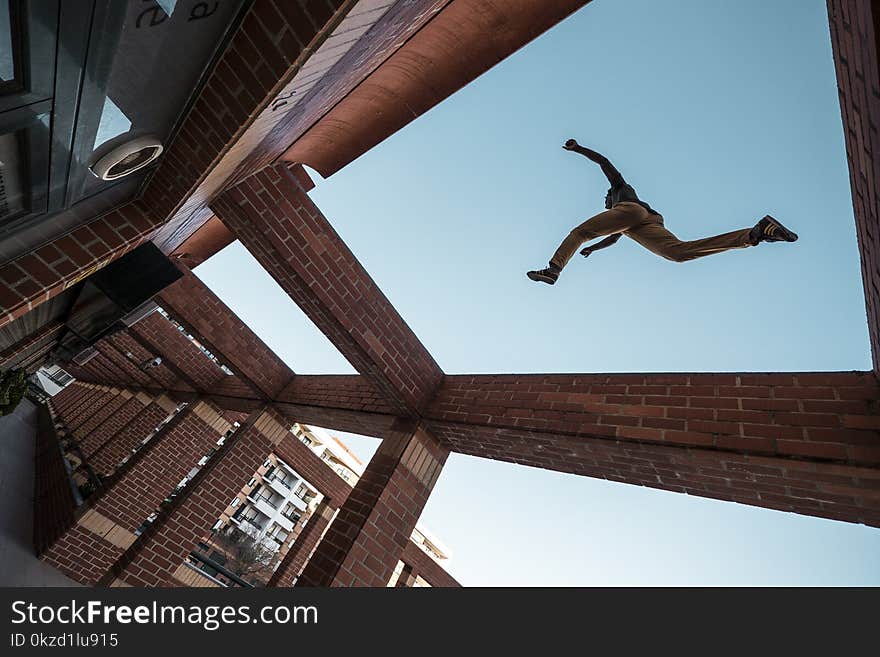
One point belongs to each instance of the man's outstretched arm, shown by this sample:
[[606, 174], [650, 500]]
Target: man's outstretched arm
[[613, 175], [604, 244]]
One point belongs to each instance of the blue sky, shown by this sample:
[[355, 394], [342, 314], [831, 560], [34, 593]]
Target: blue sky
[[718, 113]]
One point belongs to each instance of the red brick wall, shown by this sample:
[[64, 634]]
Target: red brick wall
[[89, 411], [161, 376], [278, 223], [103, 370], [421, 565], [260, 55], [40, 275], [105, 459], [54, 504], [855, 30], [133, 494], [193, 304], [807, 442], [152, 560], [343, 402], [110, 406], [298, 554], [126, 370], [68, 396], [162, 337], [308, 464], [28, 346], [76, 394], [166, 460], [368, 536], [114, 424], [89, 403], [105, 422]]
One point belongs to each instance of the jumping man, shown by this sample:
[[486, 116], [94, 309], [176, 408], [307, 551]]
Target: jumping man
[[628, 215]]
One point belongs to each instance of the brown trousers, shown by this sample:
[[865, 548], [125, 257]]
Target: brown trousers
[[647, 229]]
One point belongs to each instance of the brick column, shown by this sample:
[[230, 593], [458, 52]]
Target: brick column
[[68, 396], [106, 524], [855, 41], [422, 565], [111, 404], [24, 349], [807, 442], [298, 554], [106, 458], [157, 334], [374, 525], [132, 404], [407, 577], [193, 304], [54, 504], [84, 403], [157, 557], [277, 222], [103, 396]]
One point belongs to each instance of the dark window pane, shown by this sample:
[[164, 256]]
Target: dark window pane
[[7, 60], [12, 185]]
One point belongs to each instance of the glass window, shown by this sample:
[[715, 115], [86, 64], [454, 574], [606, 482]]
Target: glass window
[[13, 199], [8, 45]]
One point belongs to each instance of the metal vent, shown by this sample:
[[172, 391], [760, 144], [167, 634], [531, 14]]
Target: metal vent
[[127, 158]]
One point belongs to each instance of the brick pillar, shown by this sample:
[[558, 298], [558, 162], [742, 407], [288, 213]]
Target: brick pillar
[[25, 349], [131, 404], [106, 457], [855, 42], [54, 504], [365, 542], [84, 400], [106, 524], [118, 397], [274, 218], [67, 396], [298, 554], [157, 557], [102, 395], [407, 577]]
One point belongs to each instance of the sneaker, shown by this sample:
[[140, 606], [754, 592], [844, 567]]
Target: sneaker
[[770, 230], [548, 275]]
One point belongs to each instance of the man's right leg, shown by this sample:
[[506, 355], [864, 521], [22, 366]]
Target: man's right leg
[[616, 220]]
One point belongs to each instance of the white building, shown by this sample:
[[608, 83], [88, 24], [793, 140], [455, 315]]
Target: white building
[[276, 503]]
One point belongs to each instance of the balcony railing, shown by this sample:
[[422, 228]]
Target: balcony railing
[[250, 521], [293, 515], [264, 500], [280, 479], [305, 495]]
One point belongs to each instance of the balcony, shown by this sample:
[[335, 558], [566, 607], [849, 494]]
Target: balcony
[[263, 505], [247, 524], [285, 522], [274, 541], [279, 484], [304, 495]]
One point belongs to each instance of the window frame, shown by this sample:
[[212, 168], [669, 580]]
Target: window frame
[[33, 27]]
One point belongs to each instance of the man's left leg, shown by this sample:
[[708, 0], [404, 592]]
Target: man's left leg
[[656, 238], [616, 220]]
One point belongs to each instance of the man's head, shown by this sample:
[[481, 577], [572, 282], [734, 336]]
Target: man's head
[[608, 200]]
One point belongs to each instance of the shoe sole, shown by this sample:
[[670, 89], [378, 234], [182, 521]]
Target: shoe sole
[[784, 235], [540, 279]]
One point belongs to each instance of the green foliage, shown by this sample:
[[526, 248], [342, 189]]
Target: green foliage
[[13, 384]]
